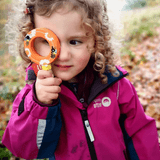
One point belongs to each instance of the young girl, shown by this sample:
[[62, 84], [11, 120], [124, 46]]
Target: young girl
[[88, 110]]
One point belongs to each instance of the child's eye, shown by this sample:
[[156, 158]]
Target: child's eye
[[45, 42], [75, 42]]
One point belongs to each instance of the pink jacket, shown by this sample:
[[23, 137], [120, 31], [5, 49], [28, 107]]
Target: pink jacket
[[112, 127]]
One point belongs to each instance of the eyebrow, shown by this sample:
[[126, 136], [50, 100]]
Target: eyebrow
[[78, 36]]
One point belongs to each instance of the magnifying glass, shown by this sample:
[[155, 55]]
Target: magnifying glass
[[53, 41]]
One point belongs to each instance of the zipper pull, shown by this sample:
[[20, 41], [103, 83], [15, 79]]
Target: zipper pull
[[90, 133]]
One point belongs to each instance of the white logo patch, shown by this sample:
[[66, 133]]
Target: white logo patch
[[106, 101]]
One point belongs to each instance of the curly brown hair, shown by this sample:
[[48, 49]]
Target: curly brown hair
[[94, 15]]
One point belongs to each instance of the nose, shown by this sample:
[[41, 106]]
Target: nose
[[64, 52]]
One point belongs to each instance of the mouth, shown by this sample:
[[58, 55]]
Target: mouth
[[62, 66]]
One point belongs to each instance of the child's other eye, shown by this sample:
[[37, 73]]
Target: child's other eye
[[75, 42]]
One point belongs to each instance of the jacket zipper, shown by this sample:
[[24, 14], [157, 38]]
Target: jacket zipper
[[89, 134], [86, 122]]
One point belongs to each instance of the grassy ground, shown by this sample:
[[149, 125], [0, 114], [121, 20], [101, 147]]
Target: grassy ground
[[139, 24]]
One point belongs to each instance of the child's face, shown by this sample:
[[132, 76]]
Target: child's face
[[74, 54]]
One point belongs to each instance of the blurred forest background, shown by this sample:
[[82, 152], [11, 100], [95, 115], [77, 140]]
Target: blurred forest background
[[140, 56]]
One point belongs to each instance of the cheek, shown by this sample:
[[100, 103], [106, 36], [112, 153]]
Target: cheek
[[83, 60]]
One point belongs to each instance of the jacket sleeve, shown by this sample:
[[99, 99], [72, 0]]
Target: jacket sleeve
[[33, 129], [140, 133]]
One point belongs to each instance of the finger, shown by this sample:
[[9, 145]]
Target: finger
[[42, 74], [51, 81], [52, 89]]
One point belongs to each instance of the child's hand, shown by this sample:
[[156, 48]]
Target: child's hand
[[47, 87]]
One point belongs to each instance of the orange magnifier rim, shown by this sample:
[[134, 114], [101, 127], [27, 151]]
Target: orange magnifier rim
[[50, 37]]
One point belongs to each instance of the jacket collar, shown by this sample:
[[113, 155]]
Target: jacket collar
[[98, 87]]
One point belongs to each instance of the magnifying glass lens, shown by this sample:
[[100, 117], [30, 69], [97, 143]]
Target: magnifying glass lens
[[41, 46]]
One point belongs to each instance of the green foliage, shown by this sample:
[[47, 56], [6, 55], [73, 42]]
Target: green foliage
[[9, 90], [141, 32], [132, 4], [143, 59], [1, 134], [5, 94], [141, 26], [11, 81], [126, 50], [5, 153]]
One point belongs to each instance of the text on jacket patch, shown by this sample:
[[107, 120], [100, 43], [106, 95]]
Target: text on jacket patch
[[104, 102]]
